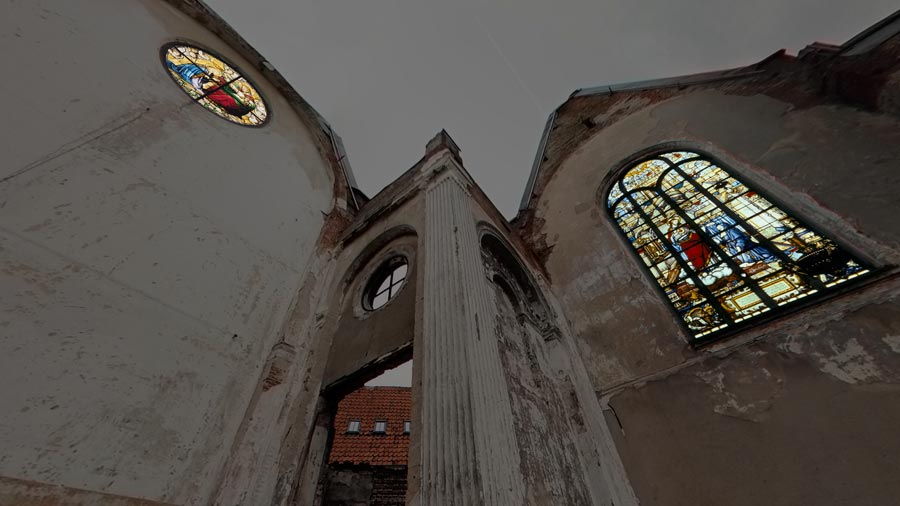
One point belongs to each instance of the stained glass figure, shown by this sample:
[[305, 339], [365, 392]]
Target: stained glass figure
[[721, 253], [214, 84]]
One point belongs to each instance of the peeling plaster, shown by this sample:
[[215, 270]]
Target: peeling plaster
[[893, 342], [798, 379], [847, 361], [850, 364], [746, 393]]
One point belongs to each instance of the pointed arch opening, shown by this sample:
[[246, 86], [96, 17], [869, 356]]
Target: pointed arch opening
[[723, 254]]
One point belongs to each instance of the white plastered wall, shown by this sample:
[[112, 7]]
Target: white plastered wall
[[149, 251]]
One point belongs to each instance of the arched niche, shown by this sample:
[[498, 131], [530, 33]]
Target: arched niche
[[506, 271]]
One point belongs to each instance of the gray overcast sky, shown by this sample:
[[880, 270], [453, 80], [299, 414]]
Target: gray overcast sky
[[400, 376], [389, 74]]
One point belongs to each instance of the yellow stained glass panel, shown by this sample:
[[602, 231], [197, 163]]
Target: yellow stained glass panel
[[215, 85]]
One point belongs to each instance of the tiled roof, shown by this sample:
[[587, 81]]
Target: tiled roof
[[367, 405]]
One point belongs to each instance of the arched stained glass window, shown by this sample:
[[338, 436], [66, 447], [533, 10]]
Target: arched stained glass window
[[722, 253], [214, 84]]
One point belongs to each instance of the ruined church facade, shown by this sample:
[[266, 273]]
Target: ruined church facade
[[191, 280]]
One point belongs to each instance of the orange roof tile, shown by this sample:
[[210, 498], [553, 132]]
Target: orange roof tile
[[368, 405]]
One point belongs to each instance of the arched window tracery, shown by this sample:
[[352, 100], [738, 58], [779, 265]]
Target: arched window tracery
[[721, 253]]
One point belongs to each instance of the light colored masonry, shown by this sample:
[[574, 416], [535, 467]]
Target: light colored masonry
[[182, 298]]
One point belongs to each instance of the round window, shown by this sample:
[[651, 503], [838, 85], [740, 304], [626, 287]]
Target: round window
[[214, 84], [385, 283]]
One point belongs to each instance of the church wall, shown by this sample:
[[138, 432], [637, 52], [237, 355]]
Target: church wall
[[781, 412], [548, 450], [806, 416], [149, 251], [565, 452], [361, 336], [360, 344]]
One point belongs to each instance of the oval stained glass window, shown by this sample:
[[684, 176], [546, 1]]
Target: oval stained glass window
[[214, 84]]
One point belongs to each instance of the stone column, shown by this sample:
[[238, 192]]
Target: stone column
[[469, 451]]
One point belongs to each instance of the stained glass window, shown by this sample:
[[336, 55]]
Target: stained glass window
[[214, 84], [721, 253]]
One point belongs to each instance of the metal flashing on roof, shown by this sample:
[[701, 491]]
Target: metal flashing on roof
[[538, 160], [669, 82], [337, 144], [872, 37]]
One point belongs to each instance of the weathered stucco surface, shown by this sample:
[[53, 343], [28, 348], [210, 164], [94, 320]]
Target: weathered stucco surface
[[607, 296], [363, 337], [808, 420], [798, 410], [548, 454], [180, 296], [30, 493], [149, 252]]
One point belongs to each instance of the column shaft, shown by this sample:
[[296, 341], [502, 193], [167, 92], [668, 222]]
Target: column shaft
[[469, 452]]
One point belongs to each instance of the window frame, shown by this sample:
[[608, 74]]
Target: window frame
[[407, 426], [615, 178], [385, 272], [375, 427], [350, 426]]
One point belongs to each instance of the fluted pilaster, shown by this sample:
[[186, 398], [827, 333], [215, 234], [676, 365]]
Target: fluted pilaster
[[469, 452]]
